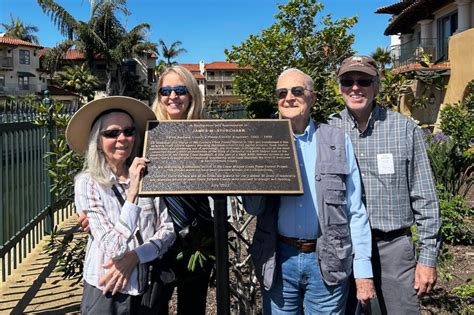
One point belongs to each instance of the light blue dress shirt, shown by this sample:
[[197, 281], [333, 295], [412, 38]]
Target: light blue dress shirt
[[298, 215]]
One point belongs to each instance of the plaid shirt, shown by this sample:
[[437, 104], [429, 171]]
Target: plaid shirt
[[396, 176], [114, 228]]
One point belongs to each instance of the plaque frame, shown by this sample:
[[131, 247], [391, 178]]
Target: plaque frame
[[265, 125]]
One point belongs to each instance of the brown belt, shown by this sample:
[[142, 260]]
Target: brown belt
[[378, 235], [305, 246]]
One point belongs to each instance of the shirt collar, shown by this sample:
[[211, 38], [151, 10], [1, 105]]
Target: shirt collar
[[374, 116], [114, 179], [308, 132]]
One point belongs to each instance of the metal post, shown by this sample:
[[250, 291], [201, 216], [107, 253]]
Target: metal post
[[222, 255], [49, 225]]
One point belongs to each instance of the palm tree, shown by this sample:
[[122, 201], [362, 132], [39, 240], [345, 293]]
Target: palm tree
[[103, 35], [17, 29], [78, 79], [382, 57], [172, 51]]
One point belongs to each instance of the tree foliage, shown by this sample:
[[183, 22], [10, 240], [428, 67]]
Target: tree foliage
[[171, 52], [103, 36], [382, 57], [17, 29], [78, 79], [296, 39]]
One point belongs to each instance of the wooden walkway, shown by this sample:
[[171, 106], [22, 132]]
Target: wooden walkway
[[36, 288]]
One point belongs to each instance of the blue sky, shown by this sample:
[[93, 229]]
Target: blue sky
[[206, 27]]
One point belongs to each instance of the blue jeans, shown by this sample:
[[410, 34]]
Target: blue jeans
[[298, 285]]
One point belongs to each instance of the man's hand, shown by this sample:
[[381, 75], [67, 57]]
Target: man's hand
[[119, 273], [425, 279], [365, 290], [83, 221]]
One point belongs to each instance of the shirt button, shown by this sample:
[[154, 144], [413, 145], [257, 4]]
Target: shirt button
[[299, 227], [301, 205], [363, 174], [362, 154]]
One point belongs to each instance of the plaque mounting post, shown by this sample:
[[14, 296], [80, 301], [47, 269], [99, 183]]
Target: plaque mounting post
[[222, 255]]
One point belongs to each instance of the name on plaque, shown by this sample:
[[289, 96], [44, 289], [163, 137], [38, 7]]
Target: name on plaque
[[220, 157]]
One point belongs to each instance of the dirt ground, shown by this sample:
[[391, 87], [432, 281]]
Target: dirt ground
[[36, 288]]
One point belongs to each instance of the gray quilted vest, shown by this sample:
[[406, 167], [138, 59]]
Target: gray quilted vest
[[334, 245]]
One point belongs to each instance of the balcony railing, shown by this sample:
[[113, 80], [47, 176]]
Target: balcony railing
[[413, 51], [16, 89], [6, 62], [219, 78]]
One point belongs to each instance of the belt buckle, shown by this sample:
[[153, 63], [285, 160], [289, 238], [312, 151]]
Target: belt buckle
[[300, 243]]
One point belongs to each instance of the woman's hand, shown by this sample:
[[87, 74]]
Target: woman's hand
[[117, 277], [135, 172]]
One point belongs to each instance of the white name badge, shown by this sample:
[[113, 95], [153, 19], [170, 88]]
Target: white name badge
[[385, 163]]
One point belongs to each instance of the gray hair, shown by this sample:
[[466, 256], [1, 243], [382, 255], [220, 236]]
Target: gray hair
[[95, 164], [308, 80]]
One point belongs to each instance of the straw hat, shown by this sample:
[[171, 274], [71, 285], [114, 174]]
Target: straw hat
[[80, 125]]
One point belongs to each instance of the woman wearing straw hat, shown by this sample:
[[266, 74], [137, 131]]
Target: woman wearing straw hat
[[126, 231]]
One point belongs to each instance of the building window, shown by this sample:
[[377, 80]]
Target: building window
[[23, 83], [228, 73], [24, 57], [228, 89], [447, 26]]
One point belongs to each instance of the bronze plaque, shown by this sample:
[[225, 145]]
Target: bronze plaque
[[229, 157]]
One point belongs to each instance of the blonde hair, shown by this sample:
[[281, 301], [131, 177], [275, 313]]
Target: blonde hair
[[95, 164], [195, 107]]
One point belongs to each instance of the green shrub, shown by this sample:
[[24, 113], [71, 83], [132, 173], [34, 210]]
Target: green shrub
[[451, 167], [455, 211]]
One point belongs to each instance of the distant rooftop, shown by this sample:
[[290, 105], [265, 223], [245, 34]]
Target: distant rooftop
[[16, 42]]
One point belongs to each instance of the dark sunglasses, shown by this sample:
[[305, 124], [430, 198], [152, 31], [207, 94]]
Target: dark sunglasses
[[114, 133], [296, 91], [178, 90], [361, 82]]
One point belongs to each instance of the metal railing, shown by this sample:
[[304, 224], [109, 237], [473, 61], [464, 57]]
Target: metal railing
[[17, 89], [26, 212], [412, 52], [219, 78]]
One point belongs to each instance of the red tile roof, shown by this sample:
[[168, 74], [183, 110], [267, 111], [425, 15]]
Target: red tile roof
[[409, 16], [417, 66], [191, 66], [74, 54], [17, 42], [194, 68], [222, 65], [395, 8]]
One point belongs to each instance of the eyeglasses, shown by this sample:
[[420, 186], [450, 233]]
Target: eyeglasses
[[360, 82], [178, 90], [296, 91], [114, 133]]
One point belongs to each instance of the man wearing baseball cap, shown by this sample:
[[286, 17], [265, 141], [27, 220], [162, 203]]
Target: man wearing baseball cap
[[399, 189]]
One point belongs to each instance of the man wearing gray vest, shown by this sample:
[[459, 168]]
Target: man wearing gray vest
[[398, 189], [304, 246]]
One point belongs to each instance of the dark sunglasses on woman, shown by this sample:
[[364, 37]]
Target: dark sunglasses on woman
[[178, 90], [114, 133]]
